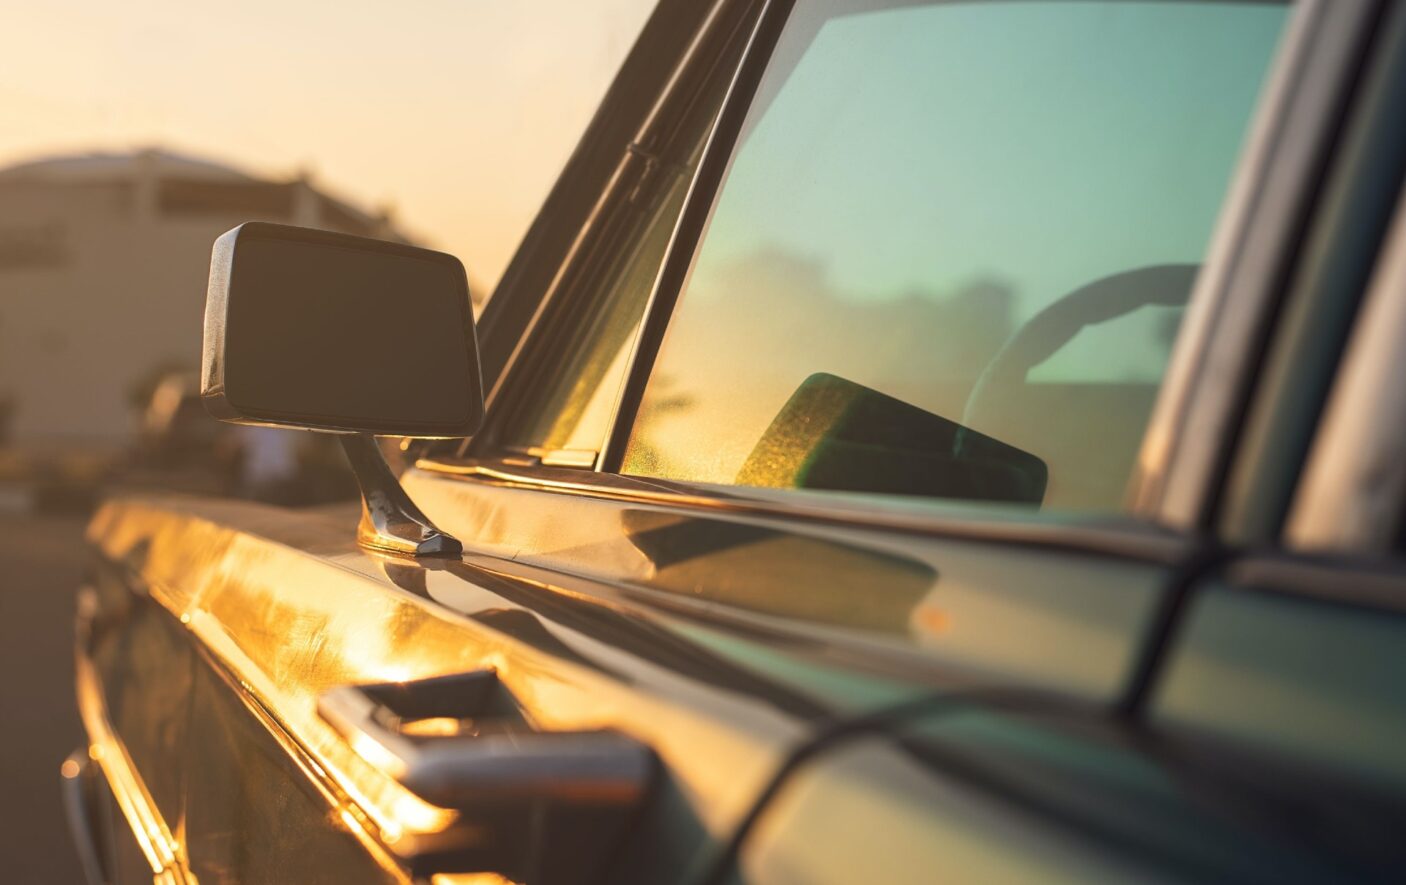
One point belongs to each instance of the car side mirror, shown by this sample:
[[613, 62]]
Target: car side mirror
[[330, 332]]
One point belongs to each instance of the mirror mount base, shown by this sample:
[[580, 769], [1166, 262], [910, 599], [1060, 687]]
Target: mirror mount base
[[390, 521]]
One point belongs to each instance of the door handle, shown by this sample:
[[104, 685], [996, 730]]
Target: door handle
[[521, 794]]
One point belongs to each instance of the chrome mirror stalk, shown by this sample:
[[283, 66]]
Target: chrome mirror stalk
[[390, 521]]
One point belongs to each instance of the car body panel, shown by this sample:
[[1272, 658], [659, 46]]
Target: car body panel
[[1007, 796], [947, 606], [869, 810], [1268, 749], [1320, 682], [599, 622], [285, 612], [283, 608]]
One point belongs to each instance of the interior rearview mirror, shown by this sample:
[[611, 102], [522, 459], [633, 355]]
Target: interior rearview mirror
[[838, 435], [332, 332]]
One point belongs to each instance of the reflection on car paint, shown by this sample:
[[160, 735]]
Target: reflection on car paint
[[1026, 614]]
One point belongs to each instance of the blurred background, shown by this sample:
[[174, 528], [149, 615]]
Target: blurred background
[[131, 135]]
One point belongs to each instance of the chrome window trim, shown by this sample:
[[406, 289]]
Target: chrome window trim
[[158, 844], [1350, 497], [1111, 537], [1186, 446]]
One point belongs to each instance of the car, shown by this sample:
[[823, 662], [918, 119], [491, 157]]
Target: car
[[915, 442]]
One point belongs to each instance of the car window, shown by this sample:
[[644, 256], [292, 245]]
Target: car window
[[952, 249], [564, 402], [571, 412]]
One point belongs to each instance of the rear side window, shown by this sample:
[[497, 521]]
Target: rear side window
[[953, 247]]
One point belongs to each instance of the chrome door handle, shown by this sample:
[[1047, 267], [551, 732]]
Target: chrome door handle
[[461, 742]]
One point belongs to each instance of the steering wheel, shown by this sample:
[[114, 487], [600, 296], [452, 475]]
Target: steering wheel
[[1055, 326]]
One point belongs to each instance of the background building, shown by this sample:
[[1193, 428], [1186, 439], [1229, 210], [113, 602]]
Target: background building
[[103, 267]]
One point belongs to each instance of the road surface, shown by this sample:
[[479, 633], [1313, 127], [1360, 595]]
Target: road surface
[[41, 565]]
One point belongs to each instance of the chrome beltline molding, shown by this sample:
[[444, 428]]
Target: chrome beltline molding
[[1124, 538], [162, 850]]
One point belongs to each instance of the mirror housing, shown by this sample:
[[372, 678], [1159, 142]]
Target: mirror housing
[[331, 332], [324, 331]]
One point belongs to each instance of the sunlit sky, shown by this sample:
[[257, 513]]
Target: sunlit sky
[[458, 114]]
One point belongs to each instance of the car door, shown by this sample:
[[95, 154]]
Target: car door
[[1055, 617]]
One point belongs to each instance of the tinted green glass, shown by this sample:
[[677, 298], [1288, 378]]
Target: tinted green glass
[[952, 250]]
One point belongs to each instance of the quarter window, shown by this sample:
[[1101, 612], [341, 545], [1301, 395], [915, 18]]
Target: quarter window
[[953, 247], [571, 414]]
